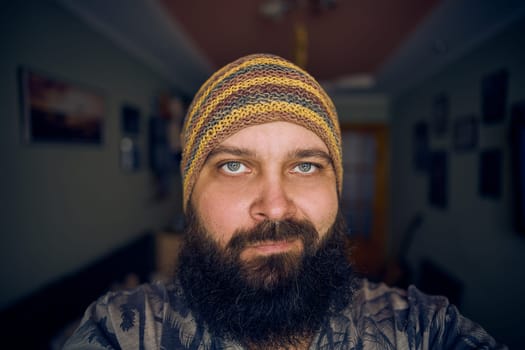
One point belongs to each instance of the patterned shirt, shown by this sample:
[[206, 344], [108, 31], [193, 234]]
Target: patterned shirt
[[156, 316]]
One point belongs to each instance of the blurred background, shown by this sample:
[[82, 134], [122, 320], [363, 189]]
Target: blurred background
[[431, 99]]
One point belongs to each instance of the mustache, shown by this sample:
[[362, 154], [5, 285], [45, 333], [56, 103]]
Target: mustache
[[267, 230]]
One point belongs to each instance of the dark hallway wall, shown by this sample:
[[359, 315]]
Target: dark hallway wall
[[64, 205], [472, 237]]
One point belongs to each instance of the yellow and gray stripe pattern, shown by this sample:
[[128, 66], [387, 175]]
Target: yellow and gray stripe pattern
[[253, 90]]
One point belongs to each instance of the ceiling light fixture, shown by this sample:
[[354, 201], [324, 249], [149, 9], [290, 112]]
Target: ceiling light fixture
[[276, 10]]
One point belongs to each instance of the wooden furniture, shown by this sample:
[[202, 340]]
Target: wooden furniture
[[167, 249]]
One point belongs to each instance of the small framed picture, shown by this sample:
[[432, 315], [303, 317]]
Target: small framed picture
[[438, 184], [494, 96], [440, 114], [129, 154], [490, 169], [420, 146], [130, 120], [517, 132], [466, 133], [56, 110]]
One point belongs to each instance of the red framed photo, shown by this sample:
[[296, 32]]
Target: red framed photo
[[55, 110]]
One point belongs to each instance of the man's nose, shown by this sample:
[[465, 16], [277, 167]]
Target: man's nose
[[273, 201]]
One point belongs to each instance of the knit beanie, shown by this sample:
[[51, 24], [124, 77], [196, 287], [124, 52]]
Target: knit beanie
[[252, 90]]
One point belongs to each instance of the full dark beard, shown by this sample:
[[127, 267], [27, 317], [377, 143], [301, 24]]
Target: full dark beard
[[270, 301]]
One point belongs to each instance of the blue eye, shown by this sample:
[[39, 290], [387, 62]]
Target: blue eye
[[234, 167], [305, 168]]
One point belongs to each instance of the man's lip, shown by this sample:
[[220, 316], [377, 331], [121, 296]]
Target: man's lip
[[272, 247]]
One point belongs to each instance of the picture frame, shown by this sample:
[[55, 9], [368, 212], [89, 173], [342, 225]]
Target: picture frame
[[130, 120], [440, 114], [490, 173], [517, 143], [466, 133], [438, 182], [59, 111], [420, 146], [129, 154], [494, 88]]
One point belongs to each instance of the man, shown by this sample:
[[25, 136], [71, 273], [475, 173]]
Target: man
[[264, 264]]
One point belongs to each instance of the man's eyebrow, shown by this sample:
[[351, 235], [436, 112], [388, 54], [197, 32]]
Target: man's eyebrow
[[231, 150], [311, 153], [295, 154]]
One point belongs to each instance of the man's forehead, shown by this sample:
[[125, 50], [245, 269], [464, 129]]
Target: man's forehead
[[273, 134]]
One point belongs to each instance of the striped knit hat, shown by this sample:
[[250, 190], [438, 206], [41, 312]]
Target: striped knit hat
[[253, 90]]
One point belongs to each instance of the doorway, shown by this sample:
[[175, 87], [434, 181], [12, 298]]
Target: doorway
[[365, 197]]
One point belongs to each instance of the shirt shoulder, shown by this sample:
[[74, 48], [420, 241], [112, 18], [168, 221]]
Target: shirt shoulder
[[122, 319], [151, 316], [406, 319]]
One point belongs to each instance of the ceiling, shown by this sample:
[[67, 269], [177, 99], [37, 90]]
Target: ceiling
[[352, 45], [344, 38]]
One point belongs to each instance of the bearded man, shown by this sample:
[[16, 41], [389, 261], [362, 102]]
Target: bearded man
[[265, 265]]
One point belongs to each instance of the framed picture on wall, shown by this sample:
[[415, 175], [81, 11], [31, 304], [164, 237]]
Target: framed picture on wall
[[56, 110], [494, 96], [130, 132], [438, 184], [440, 114], [420, 146], [130, 120], [517, 131], [490, 168]]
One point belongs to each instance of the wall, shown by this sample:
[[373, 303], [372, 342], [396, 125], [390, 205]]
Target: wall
[[362, 107], [472, 238], [65, 205]]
